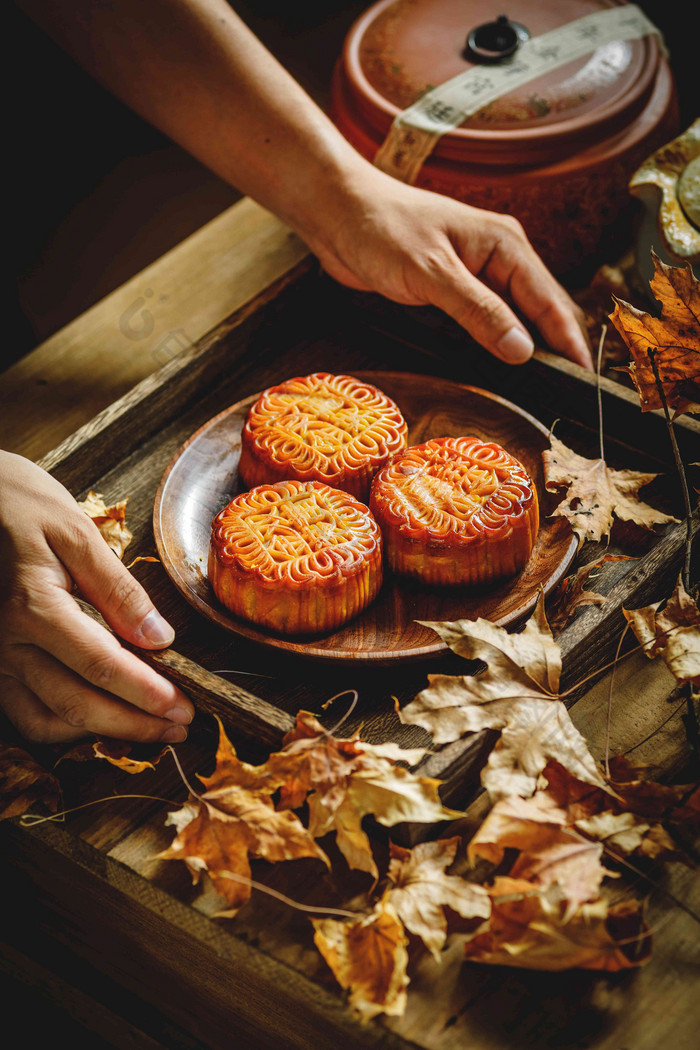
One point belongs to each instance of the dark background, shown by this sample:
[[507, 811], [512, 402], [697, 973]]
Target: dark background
[[99, 193]]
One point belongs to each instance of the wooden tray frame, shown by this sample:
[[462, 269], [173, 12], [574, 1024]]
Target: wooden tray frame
[[423, 339]]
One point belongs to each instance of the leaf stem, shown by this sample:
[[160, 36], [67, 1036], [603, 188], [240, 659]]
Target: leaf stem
[[355, 698], [287, 900], [28, 820], [181, 771], [603, 333], [651, 353]]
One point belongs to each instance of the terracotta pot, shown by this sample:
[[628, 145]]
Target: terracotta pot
[[557, 152]]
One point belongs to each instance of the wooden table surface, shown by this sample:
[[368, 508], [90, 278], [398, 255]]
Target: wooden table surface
[[44, 398]]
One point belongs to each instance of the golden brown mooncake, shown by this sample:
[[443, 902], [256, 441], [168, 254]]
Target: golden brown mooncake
[[456, 511], [297, 557], [321, 427]]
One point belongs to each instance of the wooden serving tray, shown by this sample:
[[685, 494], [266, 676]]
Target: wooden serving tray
[[305, 323]]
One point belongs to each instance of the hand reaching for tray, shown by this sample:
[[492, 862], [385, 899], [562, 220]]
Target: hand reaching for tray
[[197, 72], [62, 675], [421, 248]]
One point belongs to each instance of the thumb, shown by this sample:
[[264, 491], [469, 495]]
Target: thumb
[[482, 313], [111, 588]]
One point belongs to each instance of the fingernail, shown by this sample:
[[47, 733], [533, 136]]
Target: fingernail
[[156, 630], [180, 715], [174, 735], [515, 346]]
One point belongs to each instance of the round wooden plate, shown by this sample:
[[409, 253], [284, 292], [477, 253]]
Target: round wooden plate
[[203, 477]]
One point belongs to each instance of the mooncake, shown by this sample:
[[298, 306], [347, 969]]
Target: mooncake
[[296, 557], [456, 511], [321, 427]]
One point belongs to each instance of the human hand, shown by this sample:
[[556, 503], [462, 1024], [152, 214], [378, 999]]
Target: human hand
[[62, 675], [422, 248]]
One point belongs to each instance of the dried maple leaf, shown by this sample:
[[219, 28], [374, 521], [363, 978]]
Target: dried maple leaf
[[109, 520], [343, 780], [420, 891], [550, 852], [595, 493], [368, 956], [673, 337], [391, 794], [312, 759], [235, 818], [626, 833], [529, 658], [528, 928], [516, 694], [673, 632], [23, 782], [631, 789], [625, 820]]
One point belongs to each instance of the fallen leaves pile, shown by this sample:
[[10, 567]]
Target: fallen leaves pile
[[531, 887]]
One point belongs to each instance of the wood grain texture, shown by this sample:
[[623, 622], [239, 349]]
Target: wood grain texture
[[203, 477], [131, 333]]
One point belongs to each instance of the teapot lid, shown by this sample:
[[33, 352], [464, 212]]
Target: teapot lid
[[399, 49]]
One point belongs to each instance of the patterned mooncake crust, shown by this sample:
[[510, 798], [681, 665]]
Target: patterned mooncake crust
[[456, 511], [321, 427], [295, 557]]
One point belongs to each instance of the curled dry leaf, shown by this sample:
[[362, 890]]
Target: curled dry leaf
[[109, 520], [631, 789], [550, 852], [116, 752], [368, 956], [626, 833], [674, 338], [672, 632], [516, 694], [24, 782], [570, 595], [143, 557], [595, 493], [626, 819], [235, 818], [344, 780], [421, 890], [529, 928]]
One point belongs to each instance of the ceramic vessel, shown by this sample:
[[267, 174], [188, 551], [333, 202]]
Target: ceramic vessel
[[668, 186], [556, 152]]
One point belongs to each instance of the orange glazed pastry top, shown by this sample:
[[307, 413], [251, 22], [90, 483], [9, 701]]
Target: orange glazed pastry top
[[321, 427], [456, 510], [297, 557]]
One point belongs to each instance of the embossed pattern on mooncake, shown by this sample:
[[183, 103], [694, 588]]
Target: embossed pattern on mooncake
[[456, 511], [321, 427], [297, 557]]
